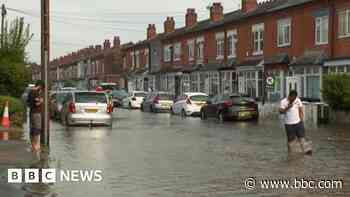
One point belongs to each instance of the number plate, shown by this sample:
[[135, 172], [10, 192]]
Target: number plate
[[91, 110]]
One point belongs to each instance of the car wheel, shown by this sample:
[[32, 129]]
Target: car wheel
[[203, 115], [172, 111], [63, 120], [183, 113], [141, 108], [130, 107]]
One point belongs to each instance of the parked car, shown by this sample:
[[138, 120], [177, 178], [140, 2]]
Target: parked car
[[189, 104], [157, 101], [118, 96], [134, 100], [229, 107], [85, 108], [56, 103]]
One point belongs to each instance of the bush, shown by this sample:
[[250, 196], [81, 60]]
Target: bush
[[17, 110], [336, 91]]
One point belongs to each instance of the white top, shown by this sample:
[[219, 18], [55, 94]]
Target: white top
[[292, 115]]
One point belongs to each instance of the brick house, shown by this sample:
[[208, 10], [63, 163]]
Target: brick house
[[289, 40]]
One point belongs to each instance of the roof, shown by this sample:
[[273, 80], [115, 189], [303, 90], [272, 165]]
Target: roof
[[235, 16], [311, 57], [280, 58]]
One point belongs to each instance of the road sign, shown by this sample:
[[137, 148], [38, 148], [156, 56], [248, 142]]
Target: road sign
[[270, 81]]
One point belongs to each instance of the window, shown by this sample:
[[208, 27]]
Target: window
[[284, 32], [200, 49], [167, 53], [190, 48], [258, 39], [220, 45], [132, 60], [321, 30], [146, 58], [137, 59], [344, 23], [232, 41], [194, 82], [177, 51]]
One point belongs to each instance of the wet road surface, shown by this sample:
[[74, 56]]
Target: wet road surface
[[146, 154]]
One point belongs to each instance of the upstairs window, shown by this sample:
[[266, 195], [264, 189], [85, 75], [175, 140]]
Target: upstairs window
[[190, 48], [146, 58], [200, 50], [258, 39], [132, 60], [321, 30], [344, 24], [284, 33], [137, 59], [167, 53], [177, 51], [220, 45], [232, 42]]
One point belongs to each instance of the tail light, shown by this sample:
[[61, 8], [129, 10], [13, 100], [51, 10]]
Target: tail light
[[72, 108], [133, 98], [109, 108], [156, 100], [228, 103], [188, 101]]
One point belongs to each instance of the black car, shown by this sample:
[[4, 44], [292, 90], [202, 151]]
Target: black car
[[228, 107]]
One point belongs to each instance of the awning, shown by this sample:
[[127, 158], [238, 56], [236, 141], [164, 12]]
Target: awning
[[280, 58], [310, 58], [338, 62]]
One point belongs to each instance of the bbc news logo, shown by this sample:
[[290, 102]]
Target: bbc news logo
[[52, 176]]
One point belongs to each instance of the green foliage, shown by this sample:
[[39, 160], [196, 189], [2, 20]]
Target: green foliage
[[13, 72], [17, 110], [336, 91]]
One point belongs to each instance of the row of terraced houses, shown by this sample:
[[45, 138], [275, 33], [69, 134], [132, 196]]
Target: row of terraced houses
[[295, 42]]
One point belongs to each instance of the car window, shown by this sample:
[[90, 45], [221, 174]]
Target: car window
[[241, 99], [199, 98], [90, 97], [140, 94]]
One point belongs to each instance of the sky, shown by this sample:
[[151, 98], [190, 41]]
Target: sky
[[76, 24]]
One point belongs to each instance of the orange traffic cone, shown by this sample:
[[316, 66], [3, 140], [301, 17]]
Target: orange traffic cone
[[5, 119]]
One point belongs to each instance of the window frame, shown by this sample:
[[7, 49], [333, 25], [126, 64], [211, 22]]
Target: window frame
[[282, 24], [259, 48], [200, 49], [177, 51], [167, 53], [347, 25], [190, 50], [220, 45], [319, 22], [232, 43]]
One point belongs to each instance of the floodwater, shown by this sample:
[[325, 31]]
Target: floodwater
[[146, 154]]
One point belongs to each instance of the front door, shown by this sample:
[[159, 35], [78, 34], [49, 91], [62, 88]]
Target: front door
[[294, 83]]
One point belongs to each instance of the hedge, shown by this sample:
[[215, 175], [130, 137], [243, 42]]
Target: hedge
[[336, 91], [17, 110]]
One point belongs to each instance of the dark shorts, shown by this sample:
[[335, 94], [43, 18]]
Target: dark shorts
[[35, 124], [295, 130]]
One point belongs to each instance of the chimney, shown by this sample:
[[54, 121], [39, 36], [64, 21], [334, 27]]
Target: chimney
[[169, 25], [216, 12], [151, 31], [107, 44], [191, 17], [116, 41], [98, 47], [249, 5]]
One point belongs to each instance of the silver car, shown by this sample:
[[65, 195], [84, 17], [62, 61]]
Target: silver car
[[87, 108]]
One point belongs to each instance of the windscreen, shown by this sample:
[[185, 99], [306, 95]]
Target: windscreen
[[241, 100], [165, 97], [90, 97], [140, 94], [199, 98]]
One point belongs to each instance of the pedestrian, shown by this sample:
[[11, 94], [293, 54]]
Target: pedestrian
[[293, 111], [35, 101]]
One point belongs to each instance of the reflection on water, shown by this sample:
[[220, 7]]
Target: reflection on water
[[161, 155]]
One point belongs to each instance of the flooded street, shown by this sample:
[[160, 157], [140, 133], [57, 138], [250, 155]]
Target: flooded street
[[161, 155]]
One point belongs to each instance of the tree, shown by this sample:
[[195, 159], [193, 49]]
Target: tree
[[13, 72], [336, 91]]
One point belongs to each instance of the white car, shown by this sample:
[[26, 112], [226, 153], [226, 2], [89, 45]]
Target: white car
[[134, 100], [189, 104]]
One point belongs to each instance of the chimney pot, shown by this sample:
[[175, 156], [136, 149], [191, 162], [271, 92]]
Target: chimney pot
[[191, 17], [249, 5], [151, 31], [169, 25], [216, 12]]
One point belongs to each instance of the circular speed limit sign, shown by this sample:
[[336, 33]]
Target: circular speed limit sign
[[270, 81]]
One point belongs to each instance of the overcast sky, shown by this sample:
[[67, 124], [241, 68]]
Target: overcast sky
[[77, 24]]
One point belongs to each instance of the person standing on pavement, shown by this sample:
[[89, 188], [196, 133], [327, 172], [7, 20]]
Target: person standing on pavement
[[293, 111], [35, 101]]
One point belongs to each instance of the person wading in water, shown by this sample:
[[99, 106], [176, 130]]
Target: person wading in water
[[293, 111], [35, 101]]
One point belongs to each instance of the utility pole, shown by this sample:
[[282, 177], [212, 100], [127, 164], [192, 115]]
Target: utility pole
[[45, 58], [3, 14]]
